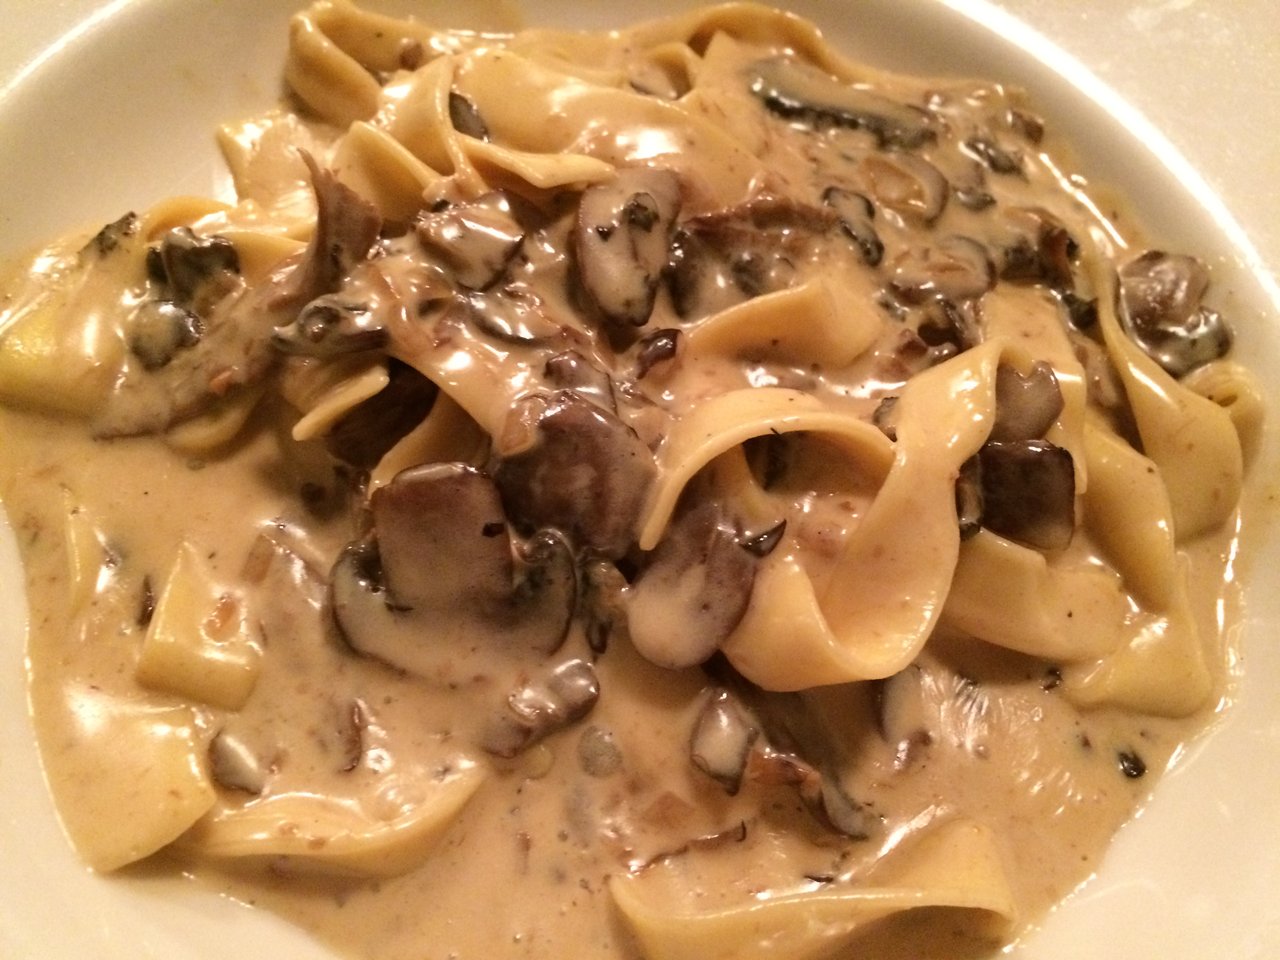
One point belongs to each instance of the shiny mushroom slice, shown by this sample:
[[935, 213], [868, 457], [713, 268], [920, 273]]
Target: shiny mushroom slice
[[803, 92], [1026, 405], [196, 270], [1160, 301], [512, 313], [441, 577], [856, 214], [555, 699], [693, 592], [565, 463], [329, 326], [476, 241], [346, 227], [1028, 492], [954, 267], [621, 241], [907, 184], [722, 739]]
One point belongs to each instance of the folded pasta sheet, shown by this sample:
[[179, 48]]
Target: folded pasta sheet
[[676, 492]]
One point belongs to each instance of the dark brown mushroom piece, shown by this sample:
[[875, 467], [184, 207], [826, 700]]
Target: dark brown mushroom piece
[[364, 434], [621, 239], [158, 329], [570, 370], [512, 313], [330, 326], [476, 241], [1161, 310], [565, 463], [723, 735], [1036, 248], [803, 92], [946, 328], [693, 591], [993, 156], [722, 258], [108, 239], [954, 268], [856, 214], [441, 575], [551, 701], [1026, 405], [907, 184], [602, 607], [1028, 492], [196, 270], [657, 349], [347, 226], [465, 118]]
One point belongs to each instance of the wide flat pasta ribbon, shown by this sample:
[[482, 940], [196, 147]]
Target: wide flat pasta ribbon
[[889, 584], [954, 864]]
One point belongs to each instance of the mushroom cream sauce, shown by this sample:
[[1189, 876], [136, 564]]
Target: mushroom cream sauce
[[673, 493]]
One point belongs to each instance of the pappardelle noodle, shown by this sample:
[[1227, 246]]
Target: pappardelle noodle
[[670, 493]]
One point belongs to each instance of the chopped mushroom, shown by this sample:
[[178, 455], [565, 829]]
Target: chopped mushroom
[[443, 570], [901, 713], [1028, 492], [693, 592], [567, 464], [330, 326], [954, 267], [548, 703], [512, 313], [722, 739], [233, 765], [475, 240], [158, 329], [856, 214], [907, 184], [803, 92], [1160, 296], [1026, 406], [621, 240], [346, 227], [197, 270], [465, 117]]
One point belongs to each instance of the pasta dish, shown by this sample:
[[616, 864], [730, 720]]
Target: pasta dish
[[670, 493]]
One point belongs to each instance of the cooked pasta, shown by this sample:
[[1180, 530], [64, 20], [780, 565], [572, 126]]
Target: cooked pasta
[[675, 492]]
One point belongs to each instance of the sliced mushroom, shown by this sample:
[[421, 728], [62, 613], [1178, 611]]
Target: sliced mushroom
[[234, 765], [856, 214], [107, 240], [1160, 300], [364, 434], [443, 571], [196, 269], [656, 350], [466, 118], [542, 706], [955, 268], [602, 605], [566, 464], [475, 240], [1028, 492], [722, 739], [993, 156], [512, 313], [969, 497], [346, 227], [329, 326], [908, 184], [803, 92], [1038, 249], [904, 721], [1026, 406], [158, 329], [693, 592], [621, 240], [572, 371]]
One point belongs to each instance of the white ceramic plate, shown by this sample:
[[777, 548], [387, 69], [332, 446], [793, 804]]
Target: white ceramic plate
[[109, 106]]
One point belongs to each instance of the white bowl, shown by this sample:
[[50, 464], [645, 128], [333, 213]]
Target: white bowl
[[109, 106]]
